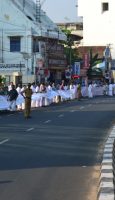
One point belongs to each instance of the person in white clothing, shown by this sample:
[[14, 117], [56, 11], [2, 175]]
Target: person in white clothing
[[110, 89], [49, 87], [33, 87], [37, 88], [90, 91], [10, 86], [22, 90], [18, 89], [72, 90], [19, 106]]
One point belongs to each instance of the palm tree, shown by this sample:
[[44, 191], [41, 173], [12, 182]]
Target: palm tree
[[94, 60]]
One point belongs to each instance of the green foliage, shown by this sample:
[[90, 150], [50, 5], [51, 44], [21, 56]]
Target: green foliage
[[71, 54], [2, 79], [94, 60]]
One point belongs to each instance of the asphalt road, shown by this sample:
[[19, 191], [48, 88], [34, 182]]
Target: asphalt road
[[55, 155]]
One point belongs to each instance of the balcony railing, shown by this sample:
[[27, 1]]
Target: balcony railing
[[11, 66]]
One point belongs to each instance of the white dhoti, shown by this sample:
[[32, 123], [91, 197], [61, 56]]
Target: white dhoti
[[90, 92]]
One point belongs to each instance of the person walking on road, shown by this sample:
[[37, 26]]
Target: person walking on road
[[27, 95]]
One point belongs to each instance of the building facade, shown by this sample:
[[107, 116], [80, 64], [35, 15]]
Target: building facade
[[98, 23], [26, 37], [76, 28]]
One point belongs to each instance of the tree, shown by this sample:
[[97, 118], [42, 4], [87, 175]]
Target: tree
[[71, 54], [94, 60], [2, 80]]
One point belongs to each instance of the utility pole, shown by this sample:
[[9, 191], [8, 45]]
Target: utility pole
[[2, 57], [23, 4], [38, 11]]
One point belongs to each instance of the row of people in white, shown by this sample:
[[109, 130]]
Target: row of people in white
[[44, 95], [108, 89]]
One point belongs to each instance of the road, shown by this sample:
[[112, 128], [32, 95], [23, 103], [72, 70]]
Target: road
[[55, 155]]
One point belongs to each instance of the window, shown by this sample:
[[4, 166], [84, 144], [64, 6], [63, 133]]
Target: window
[[15, 44], [35, 45], [8, 79], [105, 6], [29, 18]]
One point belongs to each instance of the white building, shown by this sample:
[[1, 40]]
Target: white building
[[22, 29], [98, 23]]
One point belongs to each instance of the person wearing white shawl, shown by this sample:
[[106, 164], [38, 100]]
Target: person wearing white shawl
[[110, 89], [90, 91], [33, 87], [10, 86], [38, 96], [22, 90], [72, 91], [42, 90], [33, 101], [18, 89], [37, 88], [49, 100], [56, 97], [19, 99]]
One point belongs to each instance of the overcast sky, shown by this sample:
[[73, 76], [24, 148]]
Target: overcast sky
[[60, 10]]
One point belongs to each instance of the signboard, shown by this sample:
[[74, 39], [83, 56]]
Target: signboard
[[39, 63], [68, 73], [76, 68], [86, 60], [47, 73], [39, 71]]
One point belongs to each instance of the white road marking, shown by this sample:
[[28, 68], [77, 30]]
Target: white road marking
[[61, 115], [10, 115], [103, 101], [72, 110], [82, 107], [89, 105], [29, 129], [96, 102], [84, 166], [48, 121], [4, 141]]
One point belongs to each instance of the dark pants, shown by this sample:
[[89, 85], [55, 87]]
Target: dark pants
[[27, 107]]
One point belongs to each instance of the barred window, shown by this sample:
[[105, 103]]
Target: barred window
[[105, 6]]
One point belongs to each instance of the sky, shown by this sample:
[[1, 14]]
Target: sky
[[60, 10]]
